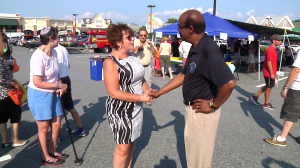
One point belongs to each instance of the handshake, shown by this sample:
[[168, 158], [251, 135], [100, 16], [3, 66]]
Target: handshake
[[149, 95]]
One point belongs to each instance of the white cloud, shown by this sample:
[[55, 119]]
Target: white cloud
[[114, 14], [176, 12], [289, 14], [239, 14], [250, 12], [85, 15]]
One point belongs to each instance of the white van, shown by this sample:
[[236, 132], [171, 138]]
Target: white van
[[14, 34]]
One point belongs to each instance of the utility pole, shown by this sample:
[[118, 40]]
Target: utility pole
[[75, 24], [151, 6]]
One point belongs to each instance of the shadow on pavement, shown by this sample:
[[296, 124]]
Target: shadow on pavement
[[260, 116], [149, 125], [267, 162], [30, 154], [93, 115], [166, 162], [178, 123]]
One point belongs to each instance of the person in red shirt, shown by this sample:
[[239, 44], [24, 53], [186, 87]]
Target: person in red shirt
[[269, 70]]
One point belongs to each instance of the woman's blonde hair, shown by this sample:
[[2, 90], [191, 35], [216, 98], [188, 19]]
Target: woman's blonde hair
[[1, 45], [165, 39]]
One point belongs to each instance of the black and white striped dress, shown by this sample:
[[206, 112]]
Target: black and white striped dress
[[126, 118]]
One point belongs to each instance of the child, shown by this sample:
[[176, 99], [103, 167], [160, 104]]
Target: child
[[156, 61]]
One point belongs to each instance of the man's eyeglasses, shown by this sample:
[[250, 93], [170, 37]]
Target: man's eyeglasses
[[181, 27], [141, 35], [130, 37]]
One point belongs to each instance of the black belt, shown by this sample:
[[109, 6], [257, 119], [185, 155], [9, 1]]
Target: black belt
[[64, 77], [145, 65], [188, 103]]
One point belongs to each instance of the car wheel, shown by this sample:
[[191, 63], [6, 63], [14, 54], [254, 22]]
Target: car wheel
[[105, 49]]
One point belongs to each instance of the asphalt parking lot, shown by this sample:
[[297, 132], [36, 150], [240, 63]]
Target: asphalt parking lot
[[239, 143]]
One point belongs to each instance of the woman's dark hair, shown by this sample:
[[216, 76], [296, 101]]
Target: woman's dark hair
[[5, 38], [114, 34], [46, 33]]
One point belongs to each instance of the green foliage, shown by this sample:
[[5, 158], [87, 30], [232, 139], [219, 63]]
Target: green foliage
[[143, 28], [150, 35], [298, 20], [263, 48], [171, 20]]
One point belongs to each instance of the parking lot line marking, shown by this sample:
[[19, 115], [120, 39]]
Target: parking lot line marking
[[265, 84]]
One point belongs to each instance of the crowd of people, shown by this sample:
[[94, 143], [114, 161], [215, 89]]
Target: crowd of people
[[206, 80]]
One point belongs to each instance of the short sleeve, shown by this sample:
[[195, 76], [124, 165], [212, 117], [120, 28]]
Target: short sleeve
[[219, 72], [37, 65], [297, 61]]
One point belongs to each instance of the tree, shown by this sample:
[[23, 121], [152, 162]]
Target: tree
[[298, 20], [120, 23], [172, 20], [143, 27]]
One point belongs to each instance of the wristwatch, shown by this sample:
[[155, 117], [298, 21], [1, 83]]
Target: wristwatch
[[58, 85], [211, 104], [285, 87]]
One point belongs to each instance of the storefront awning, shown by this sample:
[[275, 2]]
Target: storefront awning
[[9, 22]]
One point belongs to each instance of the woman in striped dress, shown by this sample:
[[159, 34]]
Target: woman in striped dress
[[127, 89]]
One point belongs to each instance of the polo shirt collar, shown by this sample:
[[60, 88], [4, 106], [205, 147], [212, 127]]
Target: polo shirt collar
[[200, 44]]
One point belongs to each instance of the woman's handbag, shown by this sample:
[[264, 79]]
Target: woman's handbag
[[16, 95], [16, 67]]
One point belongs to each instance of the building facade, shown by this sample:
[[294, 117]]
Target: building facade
[[283, 22], [157, 23], [17, 23], [10, 22], [97, 22]]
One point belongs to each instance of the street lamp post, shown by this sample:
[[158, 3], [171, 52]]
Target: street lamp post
[[151, 6], [215, 6], [75, 24]]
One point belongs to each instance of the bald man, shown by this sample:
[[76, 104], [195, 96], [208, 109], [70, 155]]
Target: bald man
[[207, 83]]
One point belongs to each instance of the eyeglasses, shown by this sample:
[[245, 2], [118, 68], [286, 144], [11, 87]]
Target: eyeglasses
[[130, 37], [181, 27], [141, 35]]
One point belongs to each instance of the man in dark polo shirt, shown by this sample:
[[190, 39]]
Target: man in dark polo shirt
[[207, 83]]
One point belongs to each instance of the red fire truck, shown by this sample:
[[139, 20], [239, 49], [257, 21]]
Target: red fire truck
[[98, 41]]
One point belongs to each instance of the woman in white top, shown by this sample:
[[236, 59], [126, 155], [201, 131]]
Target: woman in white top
[[44, 90], [165, 52], [251, 60]]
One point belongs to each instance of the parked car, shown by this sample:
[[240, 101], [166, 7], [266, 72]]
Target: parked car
[[296, 48], [221, 42], [13, 40]]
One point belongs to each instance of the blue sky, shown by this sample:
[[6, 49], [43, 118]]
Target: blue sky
[[136, 11]]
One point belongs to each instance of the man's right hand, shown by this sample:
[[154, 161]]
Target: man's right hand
[[272, 76], [136, 48]]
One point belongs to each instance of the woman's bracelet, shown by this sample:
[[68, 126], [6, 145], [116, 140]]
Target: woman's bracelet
[[141, 98]]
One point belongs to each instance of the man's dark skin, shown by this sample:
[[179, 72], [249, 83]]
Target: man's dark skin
[[188, 34]]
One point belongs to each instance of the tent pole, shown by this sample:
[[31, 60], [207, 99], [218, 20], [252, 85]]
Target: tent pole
[[281, 56], [259, 60]]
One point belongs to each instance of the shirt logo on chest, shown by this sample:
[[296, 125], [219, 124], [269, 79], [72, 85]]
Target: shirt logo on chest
[[192, 67]]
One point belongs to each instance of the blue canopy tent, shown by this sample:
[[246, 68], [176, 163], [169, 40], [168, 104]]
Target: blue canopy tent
[[214, 26]]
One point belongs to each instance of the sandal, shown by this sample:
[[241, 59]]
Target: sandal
[[59, 155], [4, 145], [52, 161]]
